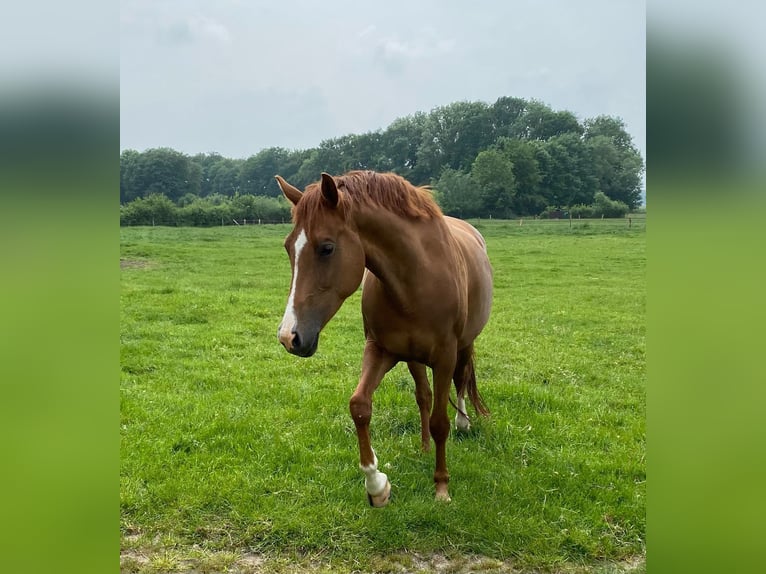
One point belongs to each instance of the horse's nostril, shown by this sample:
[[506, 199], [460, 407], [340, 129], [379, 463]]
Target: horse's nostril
[[296, 341]]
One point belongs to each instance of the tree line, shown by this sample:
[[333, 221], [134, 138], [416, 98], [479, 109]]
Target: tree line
[[513, 158]]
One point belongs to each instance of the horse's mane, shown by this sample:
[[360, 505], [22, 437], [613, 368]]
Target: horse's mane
[[389, 191]]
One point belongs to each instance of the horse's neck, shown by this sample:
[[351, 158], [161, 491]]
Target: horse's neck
[[400, 251]]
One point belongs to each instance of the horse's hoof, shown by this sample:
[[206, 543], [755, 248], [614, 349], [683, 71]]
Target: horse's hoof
[[380, 500], [442, 495], [462, 423]]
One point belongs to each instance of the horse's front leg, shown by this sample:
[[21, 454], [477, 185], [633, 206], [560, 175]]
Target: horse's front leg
[[375, 364], [439, 423]]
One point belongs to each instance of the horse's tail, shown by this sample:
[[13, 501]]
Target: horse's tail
[[469, 382]]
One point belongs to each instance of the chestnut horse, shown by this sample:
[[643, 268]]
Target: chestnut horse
[[425, 299]]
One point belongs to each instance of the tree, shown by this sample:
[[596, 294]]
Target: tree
[[609, 127], [568, 178], [160, 171], [128, 159], [332, 156], [505, 114], [527, 200], [458, 194], [540, 122], [206, 161], [399, 146], [617, 164], [452, 136], [512, 157], [257, 172], [492, 170], [224, 177], [290, 166]]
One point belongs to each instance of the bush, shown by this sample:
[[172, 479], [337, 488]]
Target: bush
[[203, 211], [254, 207], [581, 211], [203, 214], [553, 212], [605, 207], [156, 209]]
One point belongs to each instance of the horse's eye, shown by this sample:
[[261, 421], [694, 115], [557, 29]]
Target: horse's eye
[[326, 249]]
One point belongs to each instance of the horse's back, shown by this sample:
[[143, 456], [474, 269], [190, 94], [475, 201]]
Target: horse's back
[[463, 229], [478, 275]]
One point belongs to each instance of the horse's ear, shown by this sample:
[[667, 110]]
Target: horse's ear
[[329, 190], [293, 194]]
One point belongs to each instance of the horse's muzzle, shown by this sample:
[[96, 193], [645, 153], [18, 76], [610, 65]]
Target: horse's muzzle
[[302, 346]]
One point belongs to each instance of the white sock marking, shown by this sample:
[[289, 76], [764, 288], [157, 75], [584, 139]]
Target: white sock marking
[[288, 319], [461, 422], [374, 481]]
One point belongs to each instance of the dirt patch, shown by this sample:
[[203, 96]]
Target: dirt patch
[[197, 562], [134, 263]]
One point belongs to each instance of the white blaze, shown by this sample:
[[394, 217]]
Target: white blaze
[[288, 319]]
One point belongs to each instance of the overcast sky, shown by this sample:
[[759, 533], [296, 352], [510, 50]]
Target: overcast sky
[[237, 76]]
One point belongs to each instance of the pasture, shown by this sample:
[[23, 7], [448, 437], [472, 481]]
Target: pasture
[[236, 456]]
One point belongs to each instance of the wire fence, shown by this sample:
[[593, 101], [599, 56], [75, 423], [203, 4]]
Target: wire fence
[[637, 220]]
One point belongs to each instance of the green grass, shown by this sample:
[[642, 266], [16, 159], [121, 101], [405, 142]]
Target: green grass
[[231, 445]]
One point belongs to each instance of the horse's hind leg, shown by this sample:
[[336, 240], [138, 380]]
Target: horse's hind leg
[[464, 372], [443, 370], [424, 398]]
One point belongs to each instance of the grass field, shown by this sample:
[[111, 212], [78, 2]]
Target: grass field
[[237, 456]]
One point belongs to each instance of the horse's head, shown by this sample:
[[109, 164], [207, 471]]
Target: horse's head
[[327, 260]]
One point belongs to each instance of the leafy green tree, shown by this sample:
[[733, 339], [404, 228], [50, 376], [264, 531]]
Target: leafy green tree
[[611, 128], [257, 172], [492, 170], [367, 152], [568, 178], [528, 199], [458, 194], [540, 122], [159, 170], [223, 177], [194, 178], [289, 167], [206, 161], [512, 157], [128, 159], [617, 163], [400, 143], [505, 115], [332, 156], [452, 136]]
